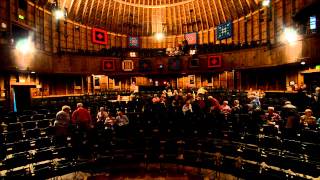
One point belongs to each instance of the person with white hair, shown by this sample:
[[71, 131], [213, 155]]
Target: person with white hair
[[307, 120], [61, 124], [225, 108], [102, 115], [271, 117], [81, 117]]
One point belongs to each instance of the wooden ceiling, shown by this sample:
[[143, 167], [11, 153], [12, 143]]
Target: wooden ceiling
[[145, 17]]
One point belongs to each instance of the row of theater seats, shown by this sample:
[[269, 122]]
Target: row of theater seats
[[212, 153], [145, 141]]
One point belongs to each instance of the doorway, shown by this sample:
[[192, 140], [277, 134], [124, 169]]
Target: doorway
[[21, 98]]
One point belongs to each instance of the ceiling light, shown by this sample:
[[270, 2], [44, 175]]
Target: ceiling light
[[303, 63], [266, 3], [290, 35], [59, 14], [159, 36], [133, 54], [192, 51], [21, 17], [25, 46], [3, 25]]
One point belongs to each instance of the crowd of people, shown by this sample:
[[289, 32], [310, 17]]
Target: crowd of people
[[183, 109]]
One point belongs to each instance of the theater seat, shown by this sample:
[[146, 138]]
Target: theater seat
[[32, 134], [43, 123]]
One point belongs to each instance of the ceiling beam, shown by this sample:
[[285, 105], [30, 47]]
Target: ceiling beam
[[102, 12]]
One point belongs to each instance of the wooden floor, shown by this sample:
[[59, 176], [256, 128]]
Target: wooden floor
[[185, 173]]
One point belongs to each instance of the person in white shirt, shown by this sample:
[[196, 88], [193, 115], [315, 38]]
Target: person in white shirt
[[102, 115], [122, 119]]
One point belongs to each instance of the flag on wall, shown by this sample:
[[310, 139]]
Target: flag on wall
[[127, 65], [191, 38], [214, 61], [174, 64], [108, 65], [133, 42], [99, 36], [145, 65]]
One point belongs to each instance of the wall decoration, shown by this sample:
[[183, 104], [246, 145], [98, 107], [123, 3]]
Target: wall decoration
[[127, 65], [224, 30], [214, 61], [108, 65], [191, 38], [99, 36], [192, 79], [133, 42]]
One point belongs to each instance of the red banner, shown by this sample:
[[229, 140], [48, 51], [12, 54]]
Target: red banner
[[108, 65], [214, 61], [99, 36]]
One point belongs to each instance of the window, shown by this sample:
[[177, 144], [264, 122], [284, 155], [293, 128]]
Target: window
[[313, 22]]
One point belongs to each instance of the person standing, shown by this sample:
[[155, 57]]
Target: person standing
[[81, 117], [61, 124]]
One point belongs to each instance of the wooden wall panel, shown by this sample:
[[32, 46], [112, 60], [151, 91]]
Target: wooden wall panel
[[256, 28]]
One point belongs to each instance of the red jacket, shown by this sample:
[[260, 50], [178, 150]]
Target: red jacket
[[81, 115]]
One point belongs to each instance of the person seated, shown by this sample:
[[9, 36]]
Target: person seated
[[102, 115], [307, 120], [237, 108], [169, 93], [122, 119], [225, 108], [254, 100], [271, 117], [109, 121], [187, 107]]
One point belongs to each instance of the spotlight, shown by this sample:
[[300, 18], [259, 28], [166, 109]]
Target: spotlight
[[59, 14], [290, 35], [133, 54], [25, 46], [3, 25], [193, 52], [159, 36], [266, 3]]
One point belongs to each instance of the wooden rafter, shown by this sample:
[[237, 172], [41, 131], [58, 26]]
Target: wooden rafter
[[235, 9], [84, 10], [217, 12], [222, 10], [95, 14], [142, 17], [205, 14]]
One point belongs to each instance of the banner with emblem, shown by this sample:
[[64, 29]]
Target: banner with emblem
[[214, 61], [191, 38], [127, 65], [99, 36], [108, 65], [133, 42]]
